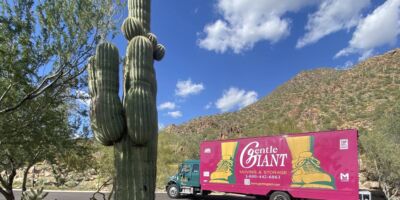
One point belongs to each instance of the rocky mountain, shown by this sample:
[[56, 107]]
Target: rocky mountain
[[320, 99]]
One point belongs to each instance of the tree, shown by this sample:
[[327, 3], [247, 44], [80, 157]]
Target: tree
[[45, 44], [381, 147], [40, 131], [44, 47]]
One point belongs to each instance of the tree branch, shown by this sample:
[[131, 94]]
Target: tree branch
[[111, 192], [85, 50], [3, 192], [43, 87], [107, 182], [36, 92], [3, 182], [5, 92], [13, 172]]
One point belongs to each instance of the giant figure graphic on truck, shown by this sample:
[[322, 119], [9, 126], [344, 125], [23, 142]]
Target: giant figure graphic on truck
[[320, 165]]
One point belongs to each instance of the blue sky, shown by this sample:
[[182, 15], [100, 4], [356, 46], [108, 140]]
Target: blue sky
[[223, 55]]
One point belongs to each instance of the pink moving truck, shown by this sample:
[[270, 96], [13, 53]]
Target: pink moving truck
[[320, 165]]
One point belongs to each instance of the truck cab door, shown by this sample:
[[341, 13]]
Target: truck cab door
[[185, 174], [190, 175], [195, 176]]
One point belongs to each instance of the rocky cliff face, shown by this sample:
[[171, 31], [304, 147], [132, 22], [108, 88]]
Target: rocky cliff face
[[42, 176]]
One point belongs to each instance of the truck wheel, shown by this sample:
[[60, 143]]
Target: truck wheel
[[279, 196], [261, 197], [205, 192], [173, 191]]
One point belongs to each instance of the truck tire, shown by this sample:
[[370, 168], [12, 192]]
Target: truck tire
[[279, 196], [173, 191], [205, 192], [261, 197]]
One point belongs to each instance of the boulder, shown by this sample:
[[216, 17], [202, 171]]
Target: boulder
[[370, 185]]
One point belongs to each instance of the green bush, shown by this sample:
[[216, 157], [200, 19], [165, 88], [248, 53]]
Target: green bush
[[381, 147]]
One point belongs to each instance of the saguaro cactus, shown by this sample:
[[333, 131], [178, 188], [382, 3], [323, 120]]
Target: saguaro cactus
[[130, 126]]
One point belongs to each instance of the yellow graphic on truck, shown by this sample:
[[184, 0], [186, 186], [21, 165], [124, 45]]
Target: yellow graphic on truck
[[225, 172], [306, 169]]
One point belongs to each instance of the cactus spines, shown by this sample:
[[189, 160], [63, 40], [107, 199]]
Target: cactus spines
[[133, 127], [132, 27], [106, 108], [159, 52], [153, 39]]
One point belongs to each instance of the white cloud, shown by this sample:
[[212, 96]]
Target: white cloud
[[83, 98], [208, 106], [235, 98], [379, 28], [332, 16], [186, 88], [175, 114], [348, 65], [247, 22], [161, 126], [167, 106]]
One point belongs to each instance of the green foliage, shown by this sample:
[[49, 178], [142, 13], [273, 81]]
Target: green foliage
[[77, 156], [33, 194], [104, 161], [381, 147], [44, 46]]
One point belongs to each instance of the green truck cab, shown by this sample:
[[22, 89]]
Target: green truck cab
[[186, 181]]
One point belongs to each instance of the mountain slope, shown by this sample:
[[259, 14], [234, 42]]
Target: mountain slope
[[313, 100]]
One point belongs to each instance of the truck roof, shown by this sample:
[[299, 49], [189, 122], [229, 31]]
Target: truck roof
[[191, 161], [285, 134]]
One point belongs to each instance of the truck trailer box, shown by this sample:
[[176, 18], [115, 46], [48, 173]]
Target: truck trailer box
[[319, 165]]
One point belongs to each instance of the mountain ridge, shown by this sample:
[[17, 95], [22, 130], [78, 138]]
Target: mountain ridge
[[313, 100]]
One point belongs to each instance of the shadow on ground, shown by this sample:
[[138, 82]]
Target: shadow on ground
[[218, 197]]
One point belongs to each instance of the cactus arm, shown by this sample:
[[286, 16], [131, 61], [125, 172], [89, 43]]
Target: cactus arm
[[159, 52], [92, 92], [92, 77], [106, 109], [153, 39], [139, 100], [132, 27]]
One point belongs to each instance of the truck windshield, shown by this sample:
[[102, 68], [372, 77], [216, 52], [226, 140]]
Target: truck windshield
[[185, 168], [180, 168]]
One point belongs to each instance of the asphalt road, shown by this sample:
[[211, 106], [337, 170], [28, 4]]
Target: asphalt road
[[63, 195]]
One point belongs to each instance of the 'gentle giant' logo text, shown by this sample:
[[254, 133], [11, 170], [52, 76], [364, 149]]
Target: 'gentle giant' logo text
[[253, 155]]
